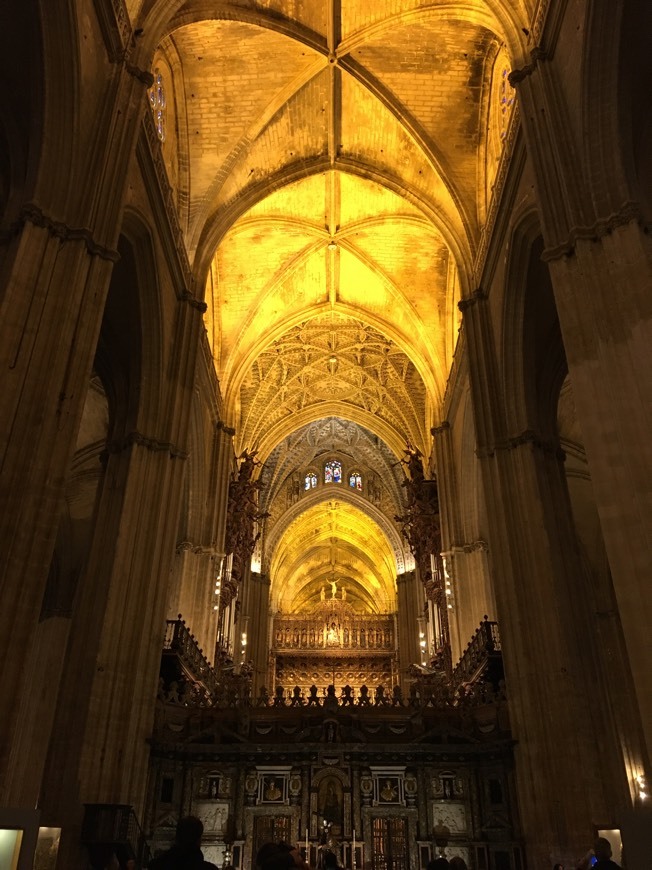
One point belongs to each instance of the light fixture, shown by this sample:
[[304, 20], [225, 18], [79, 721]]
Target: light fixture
[[641, 786], [332, 245]]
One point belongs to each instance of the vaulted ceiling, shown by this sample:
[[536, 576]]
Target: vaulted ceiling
[[333, 164]]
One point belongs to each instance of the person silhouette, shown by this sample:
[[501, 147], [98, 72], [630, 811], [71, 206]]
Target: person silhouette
[[185, 854]]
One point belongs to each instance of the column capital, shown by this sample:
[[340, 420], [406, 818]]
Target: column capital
[[478, 295], [197, 304], [33, 214], [527, 437], [222, 427], [627, 213], [197, 549], [156, 445], [537, 54], [439, 430]]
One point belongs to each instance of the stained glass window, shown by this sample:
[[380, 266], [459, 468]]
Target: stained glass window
[[311, 480], [157, 101], [333, 472], [355, 480]]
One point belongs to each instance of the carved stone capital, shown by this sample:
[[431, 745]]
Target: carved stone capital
[[527, 437], [154, 444], [478, 295], [439, 430], [196, 549], [32, 213], [186, 296], [222, 427], [142, 75], [628, 212], [537, 54]]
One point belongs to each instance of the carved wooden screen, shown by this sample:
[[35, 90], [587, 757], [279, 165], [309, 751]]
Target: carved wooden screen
[[389, 844], [270, 829]]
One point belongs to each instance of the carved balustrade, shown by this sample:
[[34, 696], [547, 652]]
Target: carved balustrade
[[360, 632], [181, 642], [482, 651]]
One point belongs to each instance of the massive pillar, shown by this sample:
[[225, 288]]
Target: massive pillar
[[599, 253], [56, 271], [564, 780]]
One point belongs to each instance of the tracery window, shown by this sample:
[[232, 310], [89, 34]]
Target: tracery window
[[157, 101], [311, 480], [355, 480], [333, 472]]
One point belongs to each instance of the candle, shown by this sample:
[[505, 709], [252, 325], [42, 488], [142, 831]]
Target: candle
[[306, 844], [353, 852]]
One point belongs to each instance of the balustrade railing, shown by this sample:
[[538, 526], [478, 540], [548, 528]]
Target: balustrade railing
[[483, 647], [179, 640]]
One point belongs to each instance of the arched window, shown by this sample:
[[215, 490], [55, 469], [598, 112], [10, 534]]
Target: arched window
[[333, 472], [355, 480], [311, 480], [157, 101]]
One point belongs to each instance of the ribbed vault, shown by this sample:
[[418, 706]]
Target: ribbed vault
[[333, 164], [333, 541]]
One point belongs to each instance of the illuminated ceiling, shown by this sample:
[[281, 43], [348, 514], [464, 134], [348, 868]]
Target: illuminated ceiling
[[333, 163], [333, 540]]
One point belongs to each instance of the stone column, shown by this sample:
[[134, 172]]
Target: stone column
[[56, 271], [566, 757], [98, 752], [198, 564], [600, 262], [465, 564], [410, 599], [256, 606]]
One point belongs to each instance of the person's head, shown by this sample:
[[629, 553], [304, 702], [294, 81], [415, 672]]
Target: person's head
[[189, 831], [457, 863], [279, 856], [558, 867], [438, 864], [602, 849]]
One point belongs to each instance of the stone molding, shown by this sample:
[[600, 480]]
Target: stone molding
[[115, 26], [469, 547], [537, 54], [499, 185], [187, 296], [439, 430], [168, 200], [478, 295], [626, 214], [33, 214], [196, 549], [222, 427], [529, 437], [153, 444]]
